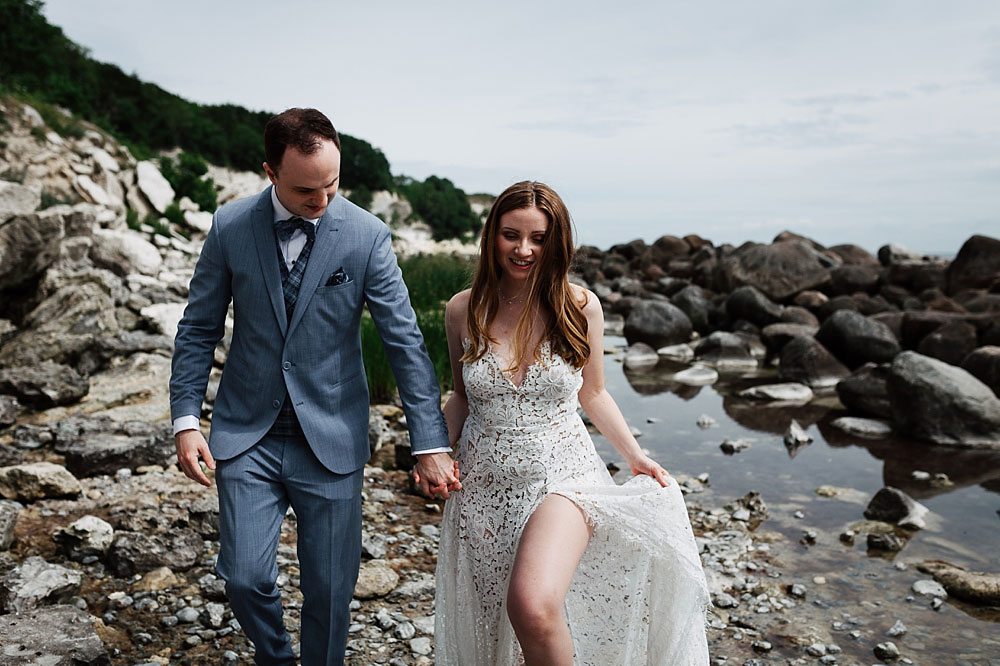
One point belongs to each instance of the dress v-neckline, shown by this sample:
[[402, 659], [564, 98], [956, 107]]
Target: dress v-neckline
[[543, 350]]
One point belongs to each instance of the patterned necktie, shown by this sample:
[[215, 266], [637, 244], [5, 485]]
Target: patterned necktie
[[286, 228]]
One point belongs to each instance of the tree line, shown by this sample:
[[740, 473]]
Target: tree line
[[39, 62]]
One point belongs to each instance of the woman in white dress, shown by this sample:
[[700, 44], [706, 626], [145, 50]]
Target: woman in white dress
[[543, 558]]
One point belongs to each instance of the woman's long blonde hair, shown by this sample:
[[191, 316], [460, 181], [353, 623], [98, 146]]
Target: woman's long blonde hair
[[549, 290]]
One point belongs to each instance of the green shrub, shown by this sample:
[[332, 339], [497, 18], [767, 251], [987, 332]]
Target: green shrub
[[187, 176], [174, 214], [50, 199], [132, 219], [431, 281]]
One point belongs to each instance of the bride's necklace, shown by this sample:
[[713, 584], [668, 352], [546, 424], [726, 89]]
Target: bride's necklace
[[516, 300]]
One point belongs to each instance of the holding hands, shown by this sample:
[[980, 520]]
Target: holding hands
[[437, 475]]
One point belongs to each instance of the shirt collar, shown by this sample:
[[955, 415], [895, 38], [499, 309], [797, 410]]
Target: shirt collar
[[282, 213]]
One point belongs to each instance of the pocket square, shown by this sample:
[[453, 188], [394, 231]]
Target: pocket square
[[339, 276]]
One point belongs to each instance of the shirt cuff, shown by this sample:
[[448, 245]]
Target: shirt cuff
[[186, 422], [440, 449]]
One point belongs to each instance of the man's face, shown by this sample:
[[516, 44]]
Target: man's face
[[306, 184]]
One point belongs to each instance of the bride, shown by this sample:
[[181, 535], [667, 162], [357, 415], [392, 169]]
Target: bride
[[544, 559]]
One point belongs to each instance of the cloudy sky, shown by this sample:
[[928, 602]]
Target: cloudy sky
[[847, 121]]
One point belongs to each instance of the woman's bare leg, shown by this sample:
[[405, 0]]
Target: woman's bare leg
[[553, 541]]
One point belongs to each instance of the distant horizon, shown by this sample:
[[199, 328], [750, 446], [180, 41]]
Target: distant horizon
[[846, 122]]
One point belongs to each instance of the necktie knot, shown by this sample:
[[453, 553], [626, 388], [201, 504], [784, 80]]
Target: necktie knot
[[286, 228]]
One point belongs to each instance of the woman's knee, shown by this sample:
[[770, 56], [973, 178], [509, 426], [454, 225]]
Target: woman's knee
[[534, 612]]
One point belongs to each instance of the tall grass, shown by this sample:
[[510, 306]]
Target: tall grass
[[431, 281]]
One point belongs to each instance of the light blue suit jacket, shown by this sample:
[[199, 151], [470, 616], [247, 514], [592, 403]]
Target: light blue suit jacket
[[316, 355]]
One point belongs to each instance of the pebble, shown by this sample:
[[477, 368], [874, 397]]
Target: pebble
[[897, 629], [798, 590], [187, 615], [887, 651], [421, 645], [816, 650], [730, 446], [929, 588], [705, 421]]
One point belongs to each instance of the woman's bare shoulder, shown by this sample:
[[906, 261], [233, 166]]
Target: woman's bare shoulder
[[586, 298], [459, 302]]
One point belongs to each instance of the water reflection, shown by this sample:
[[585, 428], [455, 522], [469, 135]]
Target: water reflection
[[900, 457]]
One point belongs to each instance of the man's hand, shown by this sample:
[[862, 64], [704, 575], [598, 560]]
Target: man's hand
[[191, 446], [437, 475]]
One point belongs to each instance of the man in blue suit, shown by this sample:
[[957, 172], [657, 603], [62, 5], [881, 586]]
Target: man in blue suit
[[290, 422]]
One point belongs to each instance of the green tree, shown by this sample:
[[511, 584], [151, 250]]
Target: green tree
[[444, 207]]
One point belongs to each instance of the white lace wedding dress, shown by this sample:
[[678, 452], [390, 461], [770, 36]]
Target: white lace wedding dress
[[638, 596]]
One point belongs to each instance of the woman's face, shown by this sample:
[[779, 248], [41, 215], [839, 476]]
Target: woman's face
[[519, 240]]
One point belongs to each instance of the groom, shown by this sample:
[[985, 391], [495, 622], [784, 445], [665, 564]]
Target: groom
[[290, 424]]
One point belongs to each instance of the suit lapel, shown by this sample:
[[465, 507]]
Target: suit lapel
[[320, 258], [262, 221]]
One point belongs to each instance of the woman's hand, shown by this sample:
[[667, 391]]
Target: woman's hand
[[646, 465]]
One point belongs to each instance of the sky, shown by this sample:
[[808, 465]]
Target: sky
[[850, 121]]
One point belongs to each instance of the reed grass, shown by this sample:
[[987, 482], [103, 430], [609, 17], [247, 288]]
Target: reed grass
[[431, 281]]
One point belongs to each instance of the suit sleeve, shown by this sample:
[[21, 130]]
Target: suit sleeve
[[389, 304], [201, 327]]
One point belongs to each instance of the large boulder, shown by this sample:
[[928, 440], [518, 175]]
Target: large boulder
[[723, 349], [657, 324], [66, 324], [44, 385], [779, 270], [132, 552], [806, 361], [777, 336], [55, 635], [17, 199], [854, 254], [977, 265], [897, 254], [984, 364], [855, 339], [87, 536], [105, 453], [750, 304], [694, 302], [124, 252], [865, 391], [151, 183], [941, 403], [977, 587], [35, 583], [28, 245], [950, 343], [851, 278], [39, 480]]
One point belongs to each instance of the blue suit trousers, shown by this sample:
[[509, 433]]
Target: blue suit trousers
[[255, 490]]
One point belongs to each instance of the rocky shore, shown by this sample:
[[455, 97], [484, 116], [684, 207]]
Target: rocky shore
[[107, 552]]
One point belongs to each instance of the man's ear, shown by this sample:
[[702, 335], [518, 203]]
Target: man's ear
[[273, 177]]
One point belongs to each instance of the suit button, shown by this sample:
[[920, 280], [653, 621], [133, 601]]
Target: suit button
[[286, 365], [276, 404]]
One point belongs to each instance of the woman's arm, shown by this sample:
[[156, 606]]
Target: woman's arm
[[601, 407], [456, 410]]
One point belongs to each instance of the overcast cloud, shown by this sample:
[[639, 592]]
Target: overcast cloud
[[864, 122]]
